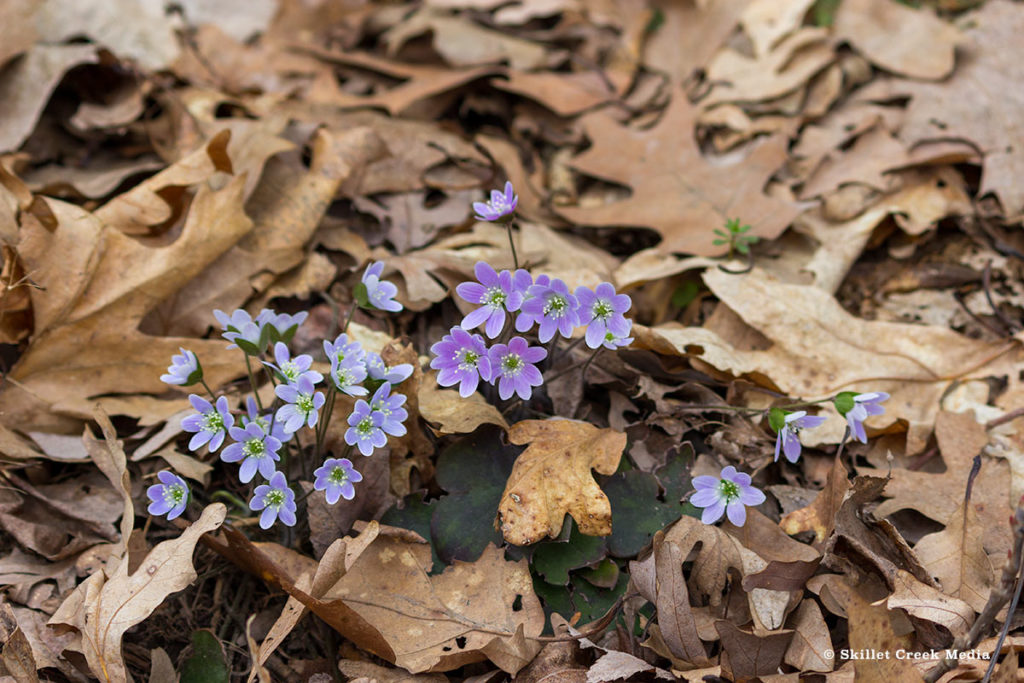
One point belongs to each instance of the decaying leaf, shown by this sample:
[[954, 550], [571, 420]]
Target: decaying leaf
[[819, 516], [956, 558], [452, 413], [871, 631], [552, 478]]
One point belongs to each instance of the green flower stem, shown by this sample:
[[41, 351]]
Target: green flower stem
[[842, 444], [208, 389], [321, 431], [231, 498], [252, 383], [351, 312], [585, 364], [512, 246], [564, 352]]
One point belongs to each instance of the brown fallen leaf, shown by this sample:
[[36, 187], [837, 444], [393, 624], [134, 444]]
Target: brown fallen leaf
[[452, 413], [992, 66], [102, 608], [566, 94], [924, 602], [811, 639], [925, 49], [820, 515], [16, 659], [750, 654], [552, 477], [688, 195], [819, 349], [956, 558], [690, 34], [871, 631]]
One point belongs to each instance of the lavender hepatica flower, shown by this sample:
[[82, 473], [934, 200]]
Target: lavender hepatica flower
[[788, 439], [184, 369], [301, 404], [728, 494], [554, 307], [380, 293], [210, 423], [513, 367], [169, 497], [282, 326], [380, 371], [602, 310], [500, 208], [461, 359], [348, 370], [291, 369], [244, 333], [612, 342], [857, 407], [276, 500], [365, 428], [266, 422], [524, 321], [335, 478], [496, 293], [390, 406], [256, 449]]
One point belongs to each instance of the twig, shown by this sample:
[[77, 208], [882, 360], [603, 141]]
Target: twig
[[1003, 419]]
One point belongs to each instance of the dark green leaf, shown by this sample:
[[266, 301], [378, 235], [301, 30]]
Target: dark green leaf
[[206, 663], [554, 559]]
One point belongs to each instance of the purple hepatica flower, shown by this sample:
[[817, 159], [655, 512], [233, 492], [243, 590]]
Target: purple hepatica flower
[[380, 293], [168, 497], [255, 448], [291, 369], [184, 369], [276, 500], [244, 333], [380, 371], [347, 367], [210, 424], [461, 358], [728, 494], [524, 321], [612, 342], [601, 310], [554, 307], [497, 293], [501, 207], [266, 422], [512, 366], [365, 429], [788, 439], [863, 406], [282, 326], [335, 478], [301, 404], [391, 408]]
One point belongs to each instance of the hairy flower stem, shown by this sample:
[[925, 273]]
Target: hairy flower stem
[[512, 246], [252, 383], [567, 349], [229, 497], [208, 389], [842, 444], [351, 312], [321, 430], [585, 364]]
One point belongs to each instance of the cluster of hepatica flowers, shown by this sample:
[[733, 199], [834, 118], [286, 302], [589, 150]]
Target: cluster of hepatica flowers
[[256, 442], [731, 492]]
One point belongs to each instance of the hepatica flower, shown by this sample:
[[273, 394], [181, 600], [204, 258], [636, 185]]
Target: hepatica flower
[[788, 439], [291, 369], [256, 449], [602, 311], [461, 359], [184, 369], [244, 333], [501, 208], [210, 423], [301, 404], [266, 422], [512, 367], [390, 407], [380, 371], [347, 367], [612, 342], [379, 293], [554, 307], [364, 429], [496, 293], [335, 478], [276, 500], [282, 326], [729, 494], [857, 407], [169, 497]]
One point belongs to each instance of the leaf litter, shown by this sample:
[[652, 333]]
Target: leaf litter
[[158, 162]]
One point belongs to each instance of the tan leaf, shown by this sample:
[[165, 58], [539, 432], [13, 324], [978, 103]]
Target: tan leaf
[[992, 67], [871, 631], [820, 515], [690, 34], [751, 654], [819, 349], [112, 606], [452, 413], [869, 25], [924, 602], [956, 557], [688, 193], [811, 639], [552, 477]]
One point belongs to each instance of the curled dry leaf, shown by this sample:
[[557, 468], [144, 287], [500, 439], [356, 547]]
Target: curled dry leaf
[[103, 609], [452, 413], [924, 602], [956, 557], [552, 477]]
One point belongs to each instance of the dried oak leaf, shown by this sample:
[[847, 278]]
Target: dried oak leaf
[[956, 557], [102, 609], [452, 413], [871, 631], [984, 88], [552, 477], [675, 190]]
